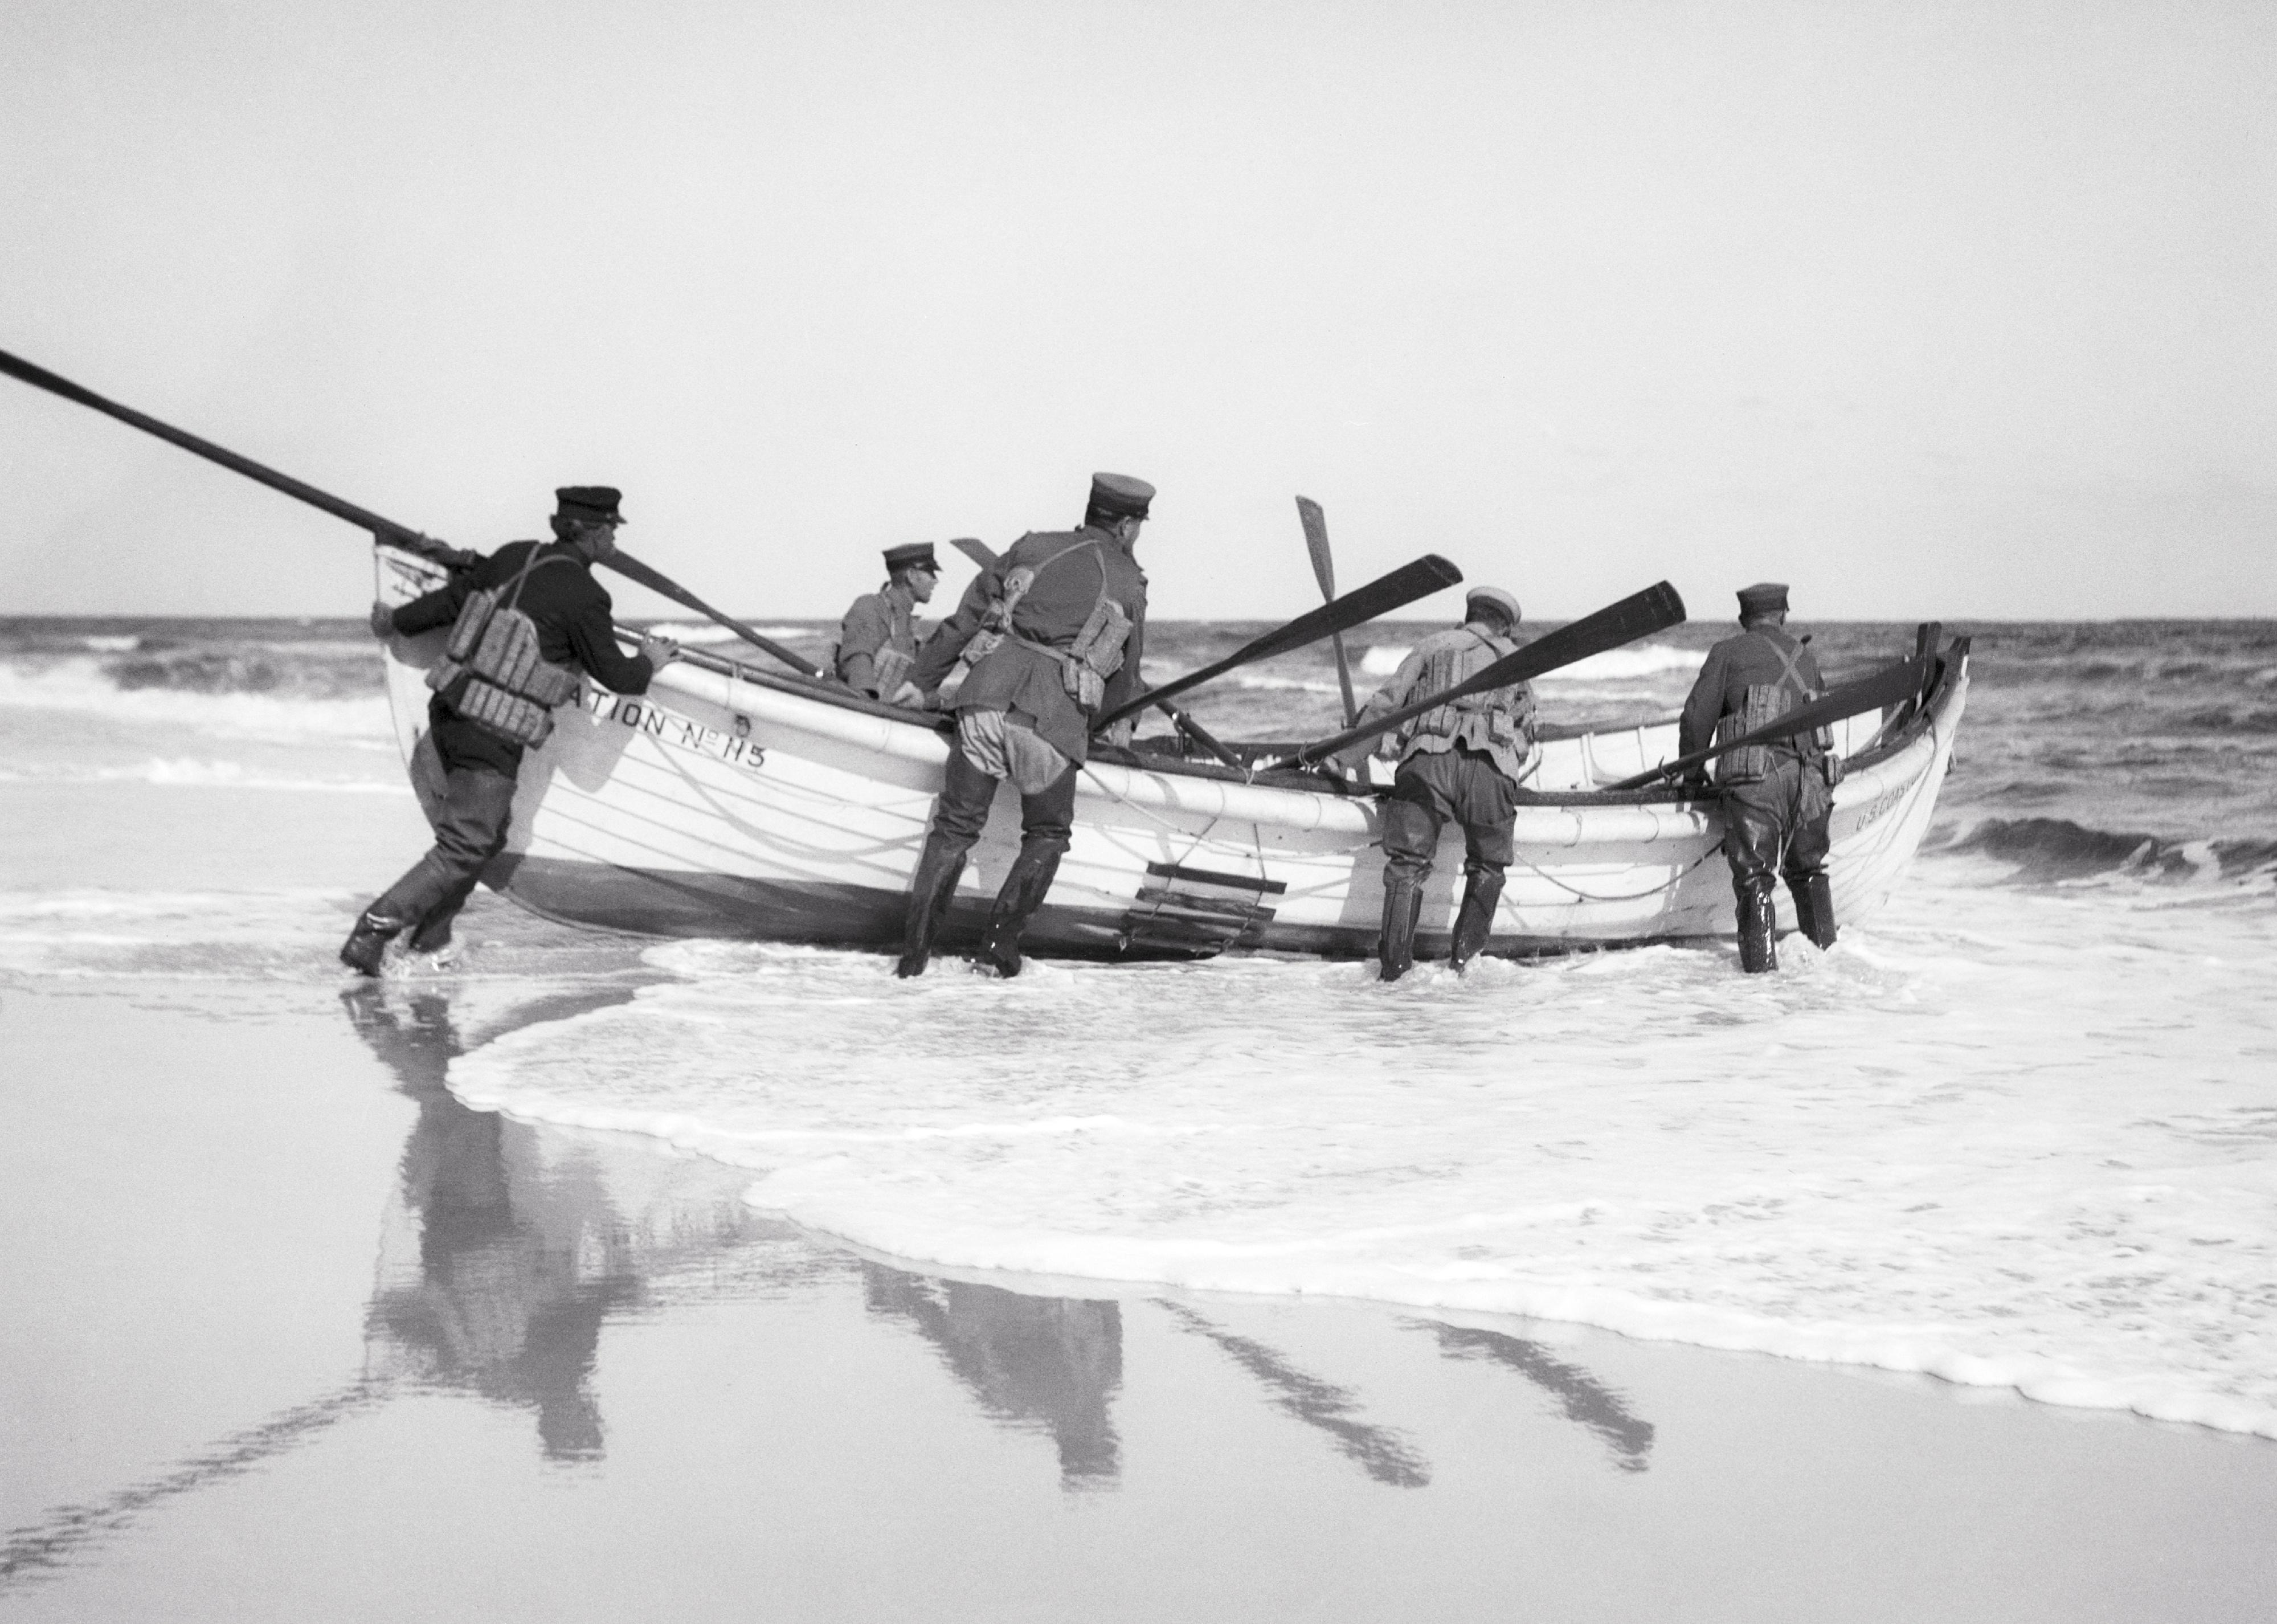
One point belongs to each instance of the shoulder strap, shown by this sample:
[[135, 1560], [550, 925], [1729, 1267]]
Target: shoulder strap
[[538, 555]]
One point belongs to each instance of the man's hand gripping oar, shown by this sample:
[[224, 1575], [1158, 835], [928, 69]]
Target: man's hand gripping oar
[[1891, 685], [386, 529], [1657, 608]]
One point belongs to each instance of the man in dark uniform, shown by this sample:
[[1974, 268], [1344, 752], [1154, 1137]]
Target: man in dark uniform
[[571, 612], [1463, 761], [877, 641], [1776, 797], [1066, 614]]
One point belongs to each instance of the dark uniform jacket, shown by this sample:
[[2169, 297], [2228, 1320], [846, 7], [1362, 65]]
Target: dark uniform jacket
[[571, 611], [1072, 568], [879, 620], [1764, 654]]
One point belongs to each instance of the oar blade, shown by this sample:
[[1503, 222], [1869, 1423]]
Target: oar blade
[[1316, 542], [1403, 586], [1657, 608], [1893, 684], [1380, 597]]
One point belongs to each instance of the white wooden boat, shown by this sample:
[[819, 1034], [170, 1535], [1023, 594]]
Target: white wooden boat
[[733, 802]]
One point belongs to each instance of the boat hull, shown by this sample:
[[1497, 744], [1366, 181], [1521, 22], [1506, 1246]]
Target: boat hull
[[738, 806]]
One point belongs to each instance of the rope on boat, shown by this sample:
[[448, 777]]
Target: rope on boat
[[1589, 897], [1194, 838]]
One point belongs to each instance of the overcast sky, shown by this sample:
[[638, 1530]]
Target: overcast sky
[[1933, 310]]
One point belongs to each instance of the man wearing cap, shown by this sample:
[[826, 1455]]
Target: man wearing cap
[[878, 641], [1464, 760], [1064, 615], [1776, 797], [553, 583]]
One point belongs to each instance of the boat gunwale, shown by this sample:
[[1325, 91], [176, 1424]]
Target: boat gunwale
[[1947, 664]]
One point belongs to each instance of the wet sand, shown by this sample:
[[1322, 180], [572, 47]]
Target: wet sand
[[293, 1334]]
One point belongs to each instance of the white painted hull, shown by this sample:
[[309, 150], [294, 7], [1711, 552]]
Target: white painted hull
[[721, 806]]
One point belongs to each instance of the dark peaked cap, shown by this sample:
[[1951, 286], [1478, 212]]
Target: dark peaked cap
[[1761, 597], [1120, 495], [913, 553], [589, 502]]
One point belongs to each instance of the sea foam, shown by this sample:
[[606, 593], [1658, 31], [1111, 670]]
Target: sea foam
[[2009, 1138]]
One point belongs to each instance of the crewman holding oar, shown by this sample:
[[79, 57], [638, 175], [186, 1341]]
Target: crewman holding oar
[[878, 641], [1066, 614], [1777, 798], [1464, 760], [524, 621]]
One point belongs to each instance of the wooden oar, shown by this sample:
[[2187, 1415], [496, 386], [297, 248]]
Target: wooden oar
[[400, 534], [387, 529], [1891, 685], [1403, 586], [1656, 609], [1324, 571], [981, 554], [656, 581]]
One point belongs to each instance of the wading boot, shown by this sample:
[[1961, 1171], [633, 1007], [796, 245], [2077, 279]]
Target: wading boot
[[1403, 905], [1475, 923], [367, 944], [929, 897], [1758, 933], [1814, 909], [1023, 893]]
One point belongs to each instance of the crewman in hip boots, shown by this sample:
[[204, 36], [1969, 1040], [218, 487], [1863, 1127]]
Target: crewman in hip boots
[[1061, 618], [525, 622], [1464, 761], [1776, 797], [878, 641]]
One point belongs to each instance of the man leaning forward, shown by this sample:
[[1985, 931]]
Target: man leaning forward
[[1464, 761], [1060, 622]]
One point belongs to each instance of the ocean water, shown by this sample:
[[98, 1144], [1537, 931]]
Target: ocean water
[[2018, 1130]]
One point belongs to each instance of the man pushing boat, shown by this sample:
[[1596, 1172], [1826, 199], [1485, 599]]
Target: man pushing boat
[[1063, 613], [1462, 760], [524, 621], [1778, 796]]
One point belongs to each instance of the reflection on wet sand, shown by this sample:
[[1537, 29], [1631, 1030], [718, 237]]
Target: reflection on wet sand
[[1381, 1454], [1049, 1362], [1585, 1400], [496, 1269], [507, 1248]]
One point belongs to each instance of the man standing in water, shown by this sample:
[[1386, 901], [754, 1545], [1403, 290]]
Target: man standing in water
[[1465, 762], [494, 702], [1777, 798], [1064, 612], [877, 641]]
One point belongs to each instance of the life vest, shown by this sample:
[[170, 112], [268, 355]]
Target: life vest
[[1096, 653], [1498, 721], [491, 672], [1763, 703]]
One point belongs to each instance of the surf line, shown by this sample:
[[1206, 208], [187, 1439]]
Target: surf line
[[644, 715]]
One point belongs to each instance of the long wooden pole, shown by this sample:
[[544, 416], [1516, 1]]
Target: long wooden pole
[[386, 529]]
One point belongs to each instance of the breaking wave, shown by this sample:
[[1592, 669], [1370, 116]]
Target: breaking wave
[[83, 687], [2056, 849]]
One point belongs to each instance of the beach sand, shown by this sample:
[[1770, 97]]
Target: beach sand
[[293, 1334]]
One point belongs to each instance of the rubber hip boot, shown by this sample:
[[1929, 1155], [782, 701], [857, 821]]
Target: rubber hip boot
[[1475, 923], [1758, 933], [1814, 909], [929, 897], [1024, 891], [1403, 905], [367, 944]]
